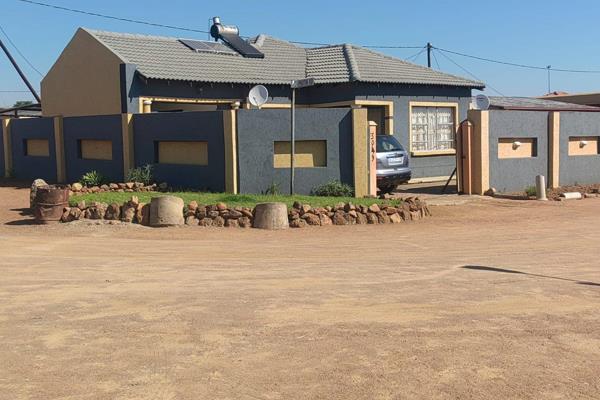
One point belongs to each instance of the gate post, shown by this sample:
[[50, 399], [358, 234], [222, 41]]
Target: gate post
[[372, 158], [7, 147]]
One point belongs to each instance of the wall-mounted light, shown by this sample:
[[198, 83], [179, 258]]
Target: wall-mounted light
[[583, 143], [516, 145]]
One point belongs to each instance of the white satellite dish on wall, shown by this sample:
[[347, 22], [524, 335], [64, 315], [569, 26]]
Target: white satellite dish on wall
[[258, 96], [481, 102]]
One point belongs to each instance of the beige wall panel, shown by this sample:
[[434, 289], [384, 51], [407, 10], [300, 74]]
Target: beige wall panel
[[37, 147], [308, 154], [85, 80], [184, 153], [508, 149], [583, 145], [96, 149]]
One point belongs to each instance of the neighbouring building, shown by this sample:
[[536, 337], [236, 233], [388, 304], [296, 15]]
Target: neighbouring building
[[588, 99], [102, 73]]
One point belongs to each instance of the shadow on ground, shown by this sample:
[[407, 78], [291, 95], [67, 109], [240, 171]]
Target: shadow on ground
[[513, 271], [429, 188]]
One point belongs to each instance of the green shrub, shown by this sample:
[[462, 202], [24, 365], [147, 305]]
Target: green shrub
[[530, 191], [333, 189], [141, 174], [273, 189], [92, 178]]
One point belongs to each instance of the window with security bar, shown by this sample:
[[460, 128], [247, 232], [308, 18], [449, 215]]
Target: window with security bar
[[432, 128]]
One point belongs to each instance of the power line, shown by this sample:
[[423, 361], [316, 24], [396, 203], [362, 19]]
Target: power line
[[471, 74], [181, 28], [14, 91], [416, 55], [19, 51], [94, 14], [436, 60], [585, 71]]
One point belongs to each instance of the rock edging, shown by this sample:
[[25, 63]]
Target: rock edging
[[220, 215]]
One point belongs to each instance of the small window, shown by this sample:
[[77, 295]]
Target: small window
[[432, 128], [36, 147], [583, 146], [308, 154], [182, 153], [95, 149], [523, 147]]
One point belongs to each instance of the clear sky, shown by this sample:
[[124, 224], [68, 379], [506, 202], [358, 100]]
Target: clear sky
[[564, 34]]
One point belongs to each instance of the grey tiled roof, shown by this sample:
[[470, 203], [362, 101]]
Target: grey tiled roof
[[167, 58], [523, 103]]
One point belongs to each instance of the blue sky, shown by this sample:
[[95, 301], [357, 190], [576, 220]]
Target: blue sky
[[560, 33]]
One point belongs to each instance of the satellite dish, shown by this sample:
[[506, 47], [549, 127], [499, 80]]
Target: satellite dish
[[481, 102], [258, 95]]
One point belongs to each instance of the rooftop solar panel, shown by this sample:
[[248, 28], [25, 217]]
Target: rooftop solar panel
[[243, 47], [207, 47]]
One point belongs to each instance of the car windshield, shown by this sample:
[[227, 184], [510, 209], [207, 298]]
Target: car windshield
[[387, 143]]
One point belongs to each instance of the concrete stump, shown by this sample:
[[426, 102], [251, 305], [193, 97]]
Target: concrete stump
[[166, 211], [271, 216]]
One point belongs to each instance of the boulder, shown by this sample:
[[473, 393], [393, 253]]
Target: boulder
[[128, 212], [395, 218], [219, 221], [113, 212], [221, 206], [193, 206], [76, 187], [129, 185], [205, 222], [233, 214], [34, 187], [270, 216], [142, 214], [325, 220], [361, 219], [245, 222], [166, 211], [374, 208], [298, 223], [232, 223], [96, 210], [191, 220], [340, 218], [81, 205], [372, 218], [383, 217], [311, 219]]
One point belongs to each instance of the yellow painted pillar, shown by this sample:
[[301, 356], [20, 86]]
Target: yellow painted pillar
[[480, 151], [372, 158], [147, 106], [554, 149], [7, 147], [360, 151], [127, 132], [59, 147], [230, 139]]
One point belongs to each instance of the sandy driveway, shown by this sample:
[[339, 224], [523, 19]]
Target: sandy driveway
[[420, 310]]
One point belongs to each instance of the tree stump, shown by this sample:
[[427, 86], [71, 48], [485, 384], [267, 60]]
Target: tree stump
[[271, 216], [166, 211]]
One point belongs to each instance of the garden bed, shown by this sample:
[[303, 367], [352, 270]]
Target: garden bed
[[235, 200]]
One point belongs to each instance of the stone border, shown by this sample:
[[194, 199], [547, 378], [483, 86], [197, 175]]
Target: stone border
[[78, 188], [220, 215]]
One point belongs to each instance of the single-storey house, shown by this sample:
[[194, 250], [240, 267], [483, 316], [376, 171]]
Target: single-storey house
[[101, 73], [589, 99]]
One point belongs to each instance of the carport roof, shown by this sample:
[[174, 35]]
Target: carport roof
[[167, 58], [529, 103]]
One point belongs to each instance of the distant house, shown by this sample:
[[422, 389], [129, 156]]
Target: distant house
[[533, 104], [109, 73], [589, 99]]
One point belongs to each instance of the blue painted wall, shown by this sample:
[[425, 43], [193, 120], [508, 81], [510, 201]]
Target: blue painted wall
[[186, 126], [578, 169], [259, 129], [515, 174], [102, 127], [30, 167]]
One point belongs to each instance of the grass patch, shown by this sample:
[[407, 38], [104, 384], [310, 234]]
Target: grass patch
[[243, 200]]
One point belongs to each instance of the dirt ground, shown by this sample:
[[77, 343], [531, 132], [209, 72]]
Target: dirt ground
[[487, 300]]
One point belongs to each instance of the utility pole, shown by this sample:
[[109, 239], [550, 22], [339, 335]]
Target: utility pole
[[548, 68], [429, 47], [21, 74]]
